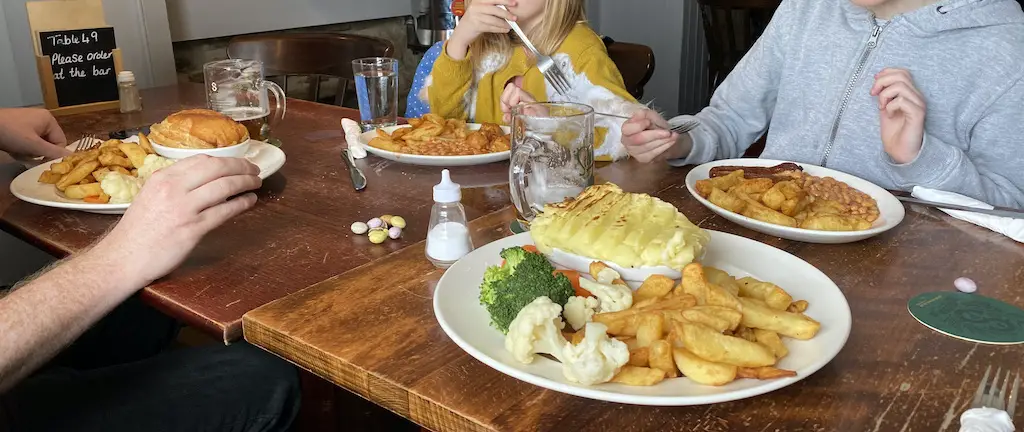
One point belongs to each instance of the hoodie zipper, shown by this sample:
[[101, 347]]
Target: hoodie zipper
[[872, 43]]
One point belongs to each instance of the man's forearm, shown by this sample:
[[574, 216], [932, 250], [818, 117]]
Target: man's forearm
[[40, 318]]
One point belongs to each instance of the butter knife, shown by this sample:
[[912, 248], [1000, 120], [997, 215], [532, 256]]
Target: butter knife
[[994, 212], [358, 179]]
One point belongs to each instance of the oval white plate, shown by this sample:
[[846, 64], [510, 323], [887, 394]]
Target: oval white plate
[[27, 187], [458, 310], [442, 161], [891, 211]]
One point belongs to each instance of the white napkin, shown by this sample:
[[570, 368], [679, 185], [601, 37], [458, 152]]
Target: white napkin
[[985, 420], [352, 132], [1010, 227]]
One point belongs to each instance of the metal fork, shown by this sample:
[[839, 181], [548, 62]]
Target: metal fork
[[990, 395], [88, 142], [547, 66], [681, 128]]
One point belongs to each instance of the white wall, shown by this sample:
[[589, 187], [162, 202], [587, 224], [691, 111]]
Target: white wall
[[142, 34], [672, 29], [204, 19]]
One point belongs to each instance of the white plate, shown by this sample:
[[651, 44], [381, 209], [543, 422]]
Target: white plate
[[441, 161], [582, 264], [891, 211], [458, 310], [27, 187]]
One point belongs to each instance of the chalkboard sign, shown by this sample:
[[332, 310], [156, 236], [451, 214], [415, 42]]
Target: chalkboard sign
[[83, 64]]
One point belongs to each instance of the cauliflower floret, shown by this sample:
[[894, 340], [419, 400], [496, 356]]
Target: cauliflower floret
[[121, 188], [613, 297], [580, 310], [596, 359], [537, 329], [152, 164]]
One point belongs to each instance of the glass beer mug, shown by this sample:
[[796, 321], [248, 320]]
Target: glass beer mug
[[552, 154], [238, 89]]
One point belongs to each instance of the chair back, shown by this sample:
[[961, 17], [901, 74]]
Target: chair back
[[730, 29], [316, 55], [635, 63]]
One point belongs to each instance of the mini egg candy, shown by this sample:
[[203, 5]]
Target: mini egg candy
[[965, 285], [387, 219], [360, 228], [377, 236], [374, 223], [395, 233], [398, 221]]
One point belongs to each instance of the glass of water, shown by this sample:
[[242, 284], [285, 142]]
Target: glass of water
[[377, 89], [552, 154]]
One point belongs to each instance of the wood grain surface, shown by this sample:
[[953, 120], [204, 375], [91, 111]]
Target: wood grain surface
[[372, 330], [298, 233]]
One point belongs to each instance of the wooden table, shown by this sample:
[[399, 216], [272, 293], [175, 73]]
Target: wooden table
[[372, 330], [298, 233]]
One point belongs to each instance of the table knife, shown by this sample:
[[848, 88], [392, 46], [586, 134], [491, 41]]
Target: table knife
[[358, 179], [994, 212]]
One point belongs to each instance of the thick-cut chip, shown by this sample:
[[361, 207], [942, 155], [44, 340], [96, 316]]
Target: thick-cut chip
[[76, 175], [724, 183], [111, 143], [771, 340], [744, 332], [702, 371], [714, 346], [757, 314], [385, 144], [752, 186], [621, 323], [110, 159], [639, 376], [98, 174], [145, 144], [135, 154], [81, 191], [833, 222], [705, 318], [415, 122], [731, 315], [727, 201], [660, 357], [798, 306], [597, 266], [650, 329], [656, 286], [722, 279], [435, 119], [764, 373], [773, 295], [62, 167], [50, 177], [755, 210], [639, 357]]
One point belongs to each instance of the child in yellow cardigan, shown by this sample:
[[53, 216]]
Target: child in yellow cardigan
[[482, 61]]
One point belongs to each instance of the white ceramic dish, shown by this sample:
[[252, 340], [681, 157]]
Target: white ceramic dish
[[460, 314], [235, 151], [27, 187], [582, 264], [891, 211], [441, 161]]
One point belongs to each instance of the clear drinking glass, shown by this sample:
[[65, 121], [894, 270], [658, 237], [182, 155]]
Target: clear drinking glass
[[552, 154], [238, 89], [377, 88]]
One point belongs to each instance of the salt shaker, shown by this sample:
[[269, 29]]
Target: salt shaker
[[448, 237], [128, 92]]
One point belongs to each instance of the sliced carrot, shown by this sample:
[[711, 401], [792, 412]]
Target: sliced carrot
[[531, 249], [96, 199], [574, 279]]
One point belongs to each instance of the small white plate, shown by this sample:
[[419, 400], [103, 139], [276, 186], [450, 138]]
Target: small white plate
[[441, 161], [891, 211], [27, 187], [458, 310]]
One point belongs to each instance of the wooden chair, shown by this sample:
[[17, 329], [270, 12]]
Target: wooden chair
[[635, 63], [316, 55], [730, 29]]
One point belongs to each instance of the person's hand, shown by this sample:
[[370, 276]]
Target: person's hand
[[177, 207], [647, 137], [902, 110], [31, 132], [513, 96], [482, 16]]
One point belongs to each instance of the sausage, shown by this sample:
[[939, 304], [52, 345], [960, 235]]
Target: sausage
[[756, 172]]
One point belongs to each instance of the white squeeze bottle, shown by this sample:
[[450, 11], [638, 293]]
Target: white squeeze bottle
[[448, 237]]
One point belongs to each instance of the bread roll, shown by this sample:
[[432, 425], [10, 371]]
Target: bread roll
[[198, 129]]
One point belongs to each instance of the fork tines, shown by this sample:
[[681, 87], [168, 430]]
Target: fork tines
[[554, 75], [87, 142], [992, 395]]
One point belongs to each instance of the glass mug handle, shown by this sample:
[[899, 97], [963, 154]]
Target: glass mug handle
[[279, 97], [517, 177]]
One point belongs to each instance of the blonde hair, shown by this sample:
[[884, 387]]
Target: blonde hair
[[556, 22]]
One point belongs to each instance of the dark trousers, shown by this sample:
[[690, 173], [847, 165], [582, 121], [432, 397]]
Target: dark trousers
[[119, 377]]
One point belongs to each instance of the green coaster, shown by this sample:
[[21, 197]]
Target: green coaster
[[970, 317], [517, 227]]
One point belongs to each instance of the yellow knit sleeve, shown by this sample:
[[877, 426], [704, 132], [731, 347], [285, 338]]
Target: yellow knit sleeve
[[450, 80]]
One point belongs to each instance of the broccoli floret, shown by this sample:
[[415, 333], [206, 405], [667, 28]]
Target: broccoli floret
[[524, 277]]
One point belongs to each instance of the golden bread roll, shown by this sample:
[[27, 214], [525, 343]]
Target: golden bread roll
[[198, 129]]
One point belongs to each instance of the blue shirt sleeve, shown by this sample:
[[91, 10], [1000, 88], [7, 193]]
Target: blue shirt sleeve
[[415, 106]]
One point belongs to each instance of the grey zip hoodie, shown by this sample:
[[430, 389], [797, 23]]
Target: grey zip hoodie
[[810, 76]]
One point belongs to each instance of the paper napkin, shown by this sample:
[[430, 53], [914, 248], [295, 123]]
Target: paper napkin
[[985, 420], [1010, 227], [352, 132]]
